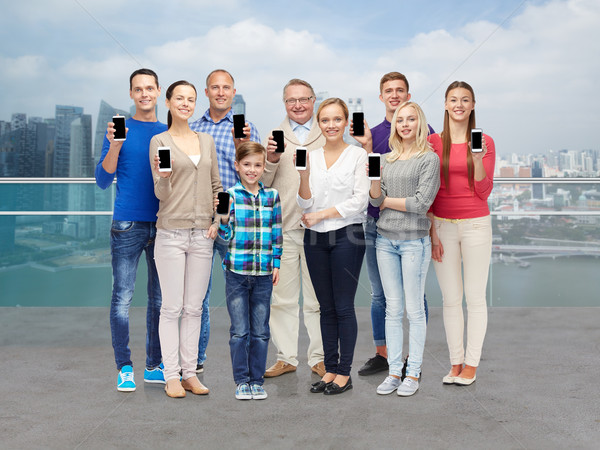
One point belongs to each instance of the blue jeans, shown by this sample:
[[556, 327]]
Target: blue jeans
[[377, 294], [403, 267], [249, 306], [334, 260], [220, 246], [127, 242]]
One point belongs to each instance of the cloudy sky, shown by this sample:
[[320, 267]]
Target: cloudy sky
[[534, 65]]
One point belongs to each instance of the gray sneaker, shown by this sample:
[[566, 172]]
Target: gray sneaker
[[408, 387], [389, 385]]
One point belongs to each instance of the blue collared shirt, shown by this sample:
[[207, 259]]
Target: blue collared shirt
[[301, 130], [221, 133]]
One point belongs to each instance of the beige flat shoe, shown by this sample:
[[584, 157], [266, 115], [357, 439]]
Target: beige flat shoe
[[194, 385], [174, 389], [464, 381]]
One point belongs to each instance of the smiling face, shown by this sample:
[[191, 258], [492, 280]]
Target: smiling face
[[250, 169], [299, 112], [407, 124], [182, 102], [459, 104], [332, 122], [220, 92], [144, 92], [394, 93]]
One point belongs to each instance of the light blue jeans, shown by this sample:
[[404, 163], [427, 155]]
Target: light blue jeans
[[403, 268]]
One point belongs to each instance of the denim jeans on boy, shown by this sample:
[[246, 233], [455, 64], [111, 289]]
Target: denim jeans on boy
[[334, 260], [249, 306], [127, 242], [377, 294], [219, 246], [403, 267]]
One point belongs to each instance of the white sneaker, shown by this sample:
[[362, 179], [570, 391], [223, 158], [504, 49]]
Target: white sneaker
[[389, 385], [408, 387]]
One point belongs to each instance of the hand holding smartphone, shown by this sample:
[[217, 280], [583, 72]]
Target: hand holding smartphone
[[278, 137], [239, 122], [164, 155], [301, 158], [358, 124], [119, 126], [476, 140], [374, 166], [223, 205]]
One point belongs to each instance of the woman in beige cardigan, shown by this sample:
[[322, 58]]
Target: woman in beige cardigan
[[184, 238]]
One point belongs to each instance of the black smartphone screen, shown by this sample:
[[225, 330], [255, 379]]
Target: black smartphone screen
[[164, 154], [374, 166], [476, 141], [119, 126], [238, 126], [223, 206], [278, 137], [358, 123], [300, 157]]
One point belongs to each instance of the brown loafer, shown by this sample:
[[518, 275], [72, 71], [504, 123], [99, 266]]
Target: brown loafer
[[279, 368], [194, 385], [174, 389], [319, 369]]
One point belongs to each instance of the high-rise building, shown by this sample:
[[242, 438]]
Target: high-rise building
[[65, 115], [239, 105], [538, 190], [4, 127], [105, 115], [18, 121]]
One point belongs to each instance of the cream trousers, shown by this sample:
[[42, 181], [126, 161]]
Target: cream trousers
[[469, 241], [285, 312], [183, 261]]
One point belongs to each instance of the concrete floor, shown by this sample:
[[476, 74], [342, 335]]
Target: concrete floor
[[537, 388]]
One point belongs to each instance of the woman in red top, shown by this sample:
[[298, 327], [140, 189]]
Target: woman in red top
[[462, 230]]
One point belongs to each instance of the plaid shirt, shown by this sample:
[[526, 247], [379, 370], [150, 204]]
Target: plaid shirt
[[221, 133], [254, 231]]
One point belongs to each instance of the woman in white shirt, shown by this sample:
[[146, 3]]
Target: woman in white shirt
[[334, 192]]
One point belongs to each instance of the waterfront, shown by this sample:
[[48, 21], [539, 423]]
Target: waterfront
[[565, 281]]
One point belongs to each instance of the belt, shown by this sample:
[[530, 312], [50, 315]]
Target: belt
[[449, 220]]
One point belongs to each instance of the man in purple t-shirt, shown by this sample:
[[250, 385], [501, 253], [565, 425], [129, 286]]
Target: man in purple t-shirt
[[393, 92]]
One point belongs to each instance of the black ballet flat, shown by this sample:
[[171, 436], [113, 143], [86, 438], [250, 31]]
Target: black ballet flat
[[319, 386], [334, 389]]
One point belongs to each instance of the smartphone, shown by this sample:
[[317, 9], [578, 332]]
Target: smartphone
[[476, 140], [164, 154], [374, 166], [301, 158], [119, 126], [358, 123], [223, 205], [239, 122], [278, 137]]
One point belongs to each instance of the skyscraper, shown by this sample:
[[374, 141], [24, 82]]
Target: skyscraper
[[105, 115], [238, 105]]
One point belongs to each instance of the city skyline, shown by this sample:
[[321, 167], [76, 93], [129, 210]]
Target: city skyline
[[521, 57]]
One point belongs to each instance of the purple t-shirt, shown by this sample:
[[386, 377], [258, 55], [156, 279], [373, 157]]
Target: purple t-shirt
[[381, 136]]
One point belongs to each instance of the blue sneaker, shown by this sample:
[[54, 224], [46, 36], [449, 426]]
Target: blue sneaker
[[125, 381], [243, 392], [258, 392], [155, 375]]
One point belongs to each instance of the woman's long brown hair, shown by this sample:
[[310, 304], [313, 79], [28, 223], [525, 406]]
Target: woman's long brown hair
[[447, 142]]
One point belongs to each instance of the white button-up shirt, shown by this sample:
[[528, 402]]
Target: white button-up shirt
[[344, 185]]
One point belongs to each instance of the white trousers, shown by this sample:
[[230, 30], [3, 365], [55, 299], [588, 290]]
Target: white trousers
[[285, 310], [183, 261], [468, 241]]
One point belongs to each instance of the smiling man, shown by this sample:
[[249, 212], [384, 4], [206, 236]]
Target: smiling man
[[134, 225], [299, 129], [218, 122]]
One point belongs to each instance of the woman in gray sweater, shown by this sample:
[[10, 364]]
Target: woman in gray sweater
[[409, 183]]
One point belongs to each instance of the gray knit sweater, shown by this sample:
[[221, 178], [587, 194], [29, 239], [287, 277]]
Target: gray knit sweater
[[417, 180]]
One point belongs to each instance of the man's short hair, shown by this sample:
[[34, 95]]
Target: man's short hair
[[150, 72], [219, 70], [298, 82], [392, 76]]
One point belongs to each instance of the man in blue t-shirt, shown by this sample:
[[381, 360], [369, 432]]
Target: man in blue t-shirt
[[133, 226], [393, 89]]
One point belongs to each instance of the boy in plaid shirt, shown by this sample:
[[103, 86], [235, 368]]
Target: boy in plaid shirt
[[254, 232]]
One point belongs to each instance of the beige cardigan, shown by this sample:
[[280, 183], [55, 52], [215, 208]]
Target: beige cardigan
[[187, 196], [284, 177]]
